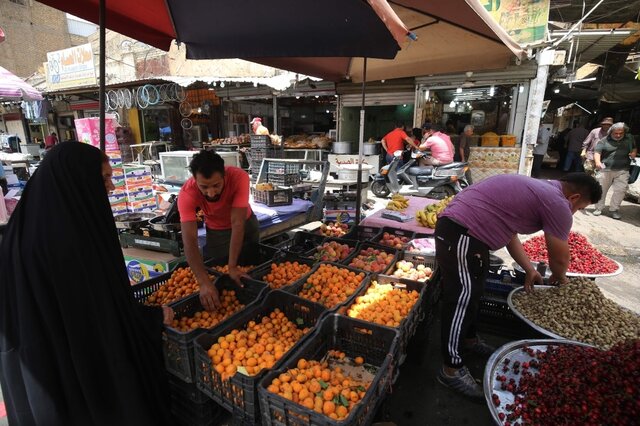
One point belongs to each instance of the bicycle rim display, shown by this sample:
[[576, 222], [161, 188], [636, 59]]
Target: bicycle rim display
[[186, 123]]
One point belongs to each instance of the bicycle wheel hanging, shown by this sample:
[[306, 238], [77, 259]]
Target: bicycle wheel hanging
[[126, 97], [185, 109], [165, 93], [180, 93], [186, 123], [151, 93], [112, 100], [141, 100]]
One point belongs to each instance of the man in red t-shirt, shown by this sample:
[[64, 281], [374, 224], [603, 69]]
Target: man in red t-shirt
[[50, 141], [222, 193], [394, 141]]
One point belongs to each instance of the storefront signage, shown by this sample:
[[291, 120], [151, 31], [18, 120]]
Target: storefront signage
[[71, 67], [524, 20]]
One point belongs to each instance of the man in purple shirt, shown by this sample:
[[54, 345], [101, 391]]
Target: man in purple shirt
[[488, 216]]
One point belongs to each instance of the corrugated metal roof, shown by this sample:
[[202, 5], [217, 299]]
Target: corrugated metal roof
[[589, 44]]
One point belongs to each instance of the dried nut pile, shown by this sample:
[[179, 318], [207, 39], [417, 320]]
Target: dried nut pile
[[579, 311]]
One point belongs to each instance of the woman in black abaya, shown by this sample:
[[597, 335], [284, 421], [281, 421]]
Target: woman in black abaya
[[75, 347]]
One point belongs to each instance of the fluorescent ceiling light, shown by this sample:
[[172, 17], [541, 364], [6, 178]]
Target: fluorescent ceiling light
[[587, 32]]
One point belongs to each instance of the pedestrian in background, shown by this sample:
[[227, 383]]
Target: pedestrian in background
[[395, 140], [612, 159], [575, 138], [589, 144], [50, 141], [540, 150]]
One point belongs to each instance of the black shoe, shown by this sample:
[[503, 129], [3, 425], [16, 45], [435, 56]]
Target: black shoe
[[480, 348], [462, 382]]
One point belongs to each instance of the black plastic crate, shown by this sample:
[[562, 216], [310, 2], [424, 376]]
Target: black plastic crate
[[289, 179], [178, 346], [498, 287], [396, 233], [261, 141], [142, 291], [409, 324], [326, 222], [364, 246], [298, 287], [186, 391], [277, 241], [355, 338], [495, 316], [275, 197], [260, 273], [283, 167], [353, 245], [239, 394], [302, 242], [187, 413], [265, 254], [362, 233]]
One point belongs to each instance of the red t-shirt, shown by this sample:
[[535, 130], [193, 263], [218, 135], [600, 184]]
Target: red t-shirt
[[217, 215], [395, 140]]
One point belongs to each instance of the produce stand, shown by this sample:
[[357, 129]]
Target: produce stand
[[524, 318], [415, 204]]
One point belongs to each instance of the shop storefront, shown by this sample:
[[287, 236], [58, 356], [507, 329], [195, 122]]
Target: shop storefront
[[493, 102]]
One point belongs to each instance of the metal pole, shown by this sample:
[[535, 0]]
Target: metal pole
[[360, 146], [275, 114], [102, 22]]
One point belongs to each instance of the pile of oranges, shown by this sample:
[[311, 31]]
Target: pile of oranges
[[284, 274], [321, 388], [331, 285], [258, 346], [225, 269], [181, 284], [383, 304], [203, 319]]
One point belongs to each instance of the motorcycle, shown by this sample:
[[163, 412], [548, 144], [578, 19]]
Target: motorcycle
[[425, 181]]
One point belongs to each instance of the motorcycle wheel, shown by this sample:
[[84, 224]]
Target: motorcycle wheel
[[380, 189], [442, 192]]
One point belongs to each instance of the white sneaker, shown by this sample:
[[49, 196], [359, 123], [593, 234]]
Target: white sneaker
[[597, 212]]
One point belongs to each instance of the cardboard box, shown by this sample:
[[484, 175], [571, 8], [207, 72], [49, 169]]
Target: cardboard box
[[88, 130], [146, 264], [136, 171], [148, 204], [119, 208], [140, 195], [119, 198], [138, 181]]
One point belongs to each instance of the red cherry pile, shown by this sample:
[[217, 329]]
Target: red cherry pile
[[585, 259], [574, 385]]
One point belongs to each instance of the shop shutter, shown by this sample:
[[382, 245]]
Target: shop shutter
[[510, 75], [378, 99]]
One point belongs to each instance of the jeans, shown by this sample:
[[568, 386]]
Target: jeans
[[616, 179], [389, 157], [573, 162]]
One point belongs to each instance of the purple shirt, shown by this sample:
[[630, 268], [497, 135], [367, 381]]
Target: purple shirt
[[500, 207]]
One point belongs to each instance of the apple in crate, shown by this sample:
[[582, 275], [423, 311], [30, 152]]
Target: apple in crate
[[372, 260], [395, 241], [407, 270], [332, 251], [332, 229]]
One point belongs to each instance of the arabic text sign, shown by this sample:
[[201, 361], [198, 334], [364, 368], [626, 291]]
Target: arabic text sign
[[71, 67], [524, 20]]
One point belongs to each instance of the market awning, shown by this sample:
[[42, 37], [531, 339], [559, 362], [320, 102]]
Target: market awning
[[13, 87], [453, 36], [253, 28], [586, 45]]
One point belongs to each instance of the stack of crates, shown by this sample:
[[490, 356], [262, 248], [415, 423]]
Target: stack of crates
[[283, 173], [262, 147], [117, 197], [139, 188]]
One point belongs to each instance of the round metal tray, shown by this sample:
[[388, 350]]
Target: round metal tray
[[512, 350], [524, 318], [132, 220], [611, 274], [158, 224]]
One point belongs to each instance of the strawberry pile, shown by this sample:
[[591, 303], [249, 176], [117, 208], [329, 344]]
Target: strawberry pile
[[585, 259], [574, 385]]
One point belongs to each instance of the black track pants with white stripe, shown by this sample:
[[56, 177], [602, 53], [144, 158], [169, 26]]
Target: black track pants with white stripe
[[463, 261]]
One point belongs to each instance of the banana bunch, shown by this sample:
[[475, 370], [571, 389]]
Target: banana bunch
[[398, 203], [428, 217]]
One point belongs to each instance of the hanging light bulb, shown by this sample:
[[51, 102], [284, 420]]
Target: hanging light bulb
[[452, 104], [215, 83], [297, 97], [255, 84], [222, 84], [317, 96], [556, 89], [521, 89], [426, 95], [492, 91], [459, 90]]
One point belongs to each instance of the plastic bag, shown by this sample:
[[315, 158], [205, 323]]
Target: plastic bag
[[634, 171]]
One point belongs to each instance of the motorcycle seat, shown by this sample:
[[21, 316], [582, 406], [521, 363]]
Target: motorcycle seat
[[420, 171], [455, 165]]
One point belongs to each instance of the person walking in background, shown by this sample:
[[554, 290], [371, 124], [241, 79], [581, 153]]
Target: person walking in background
[[612, 158], [463, 145], [589, 144], [575, 138], [540, 150], [50, 141], [395, 140]]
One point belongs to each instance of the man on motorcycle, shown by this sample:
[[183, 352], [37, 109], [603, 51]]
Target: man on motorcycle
[[439, 144], [394, 141]]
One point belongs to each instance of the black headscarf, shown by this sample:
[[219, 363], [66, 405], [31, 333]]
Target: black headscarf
[[75, 347]]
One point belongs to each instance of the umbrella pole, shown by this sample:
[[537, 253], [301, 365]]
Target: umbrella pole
[[102, 22], [360, 146]]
